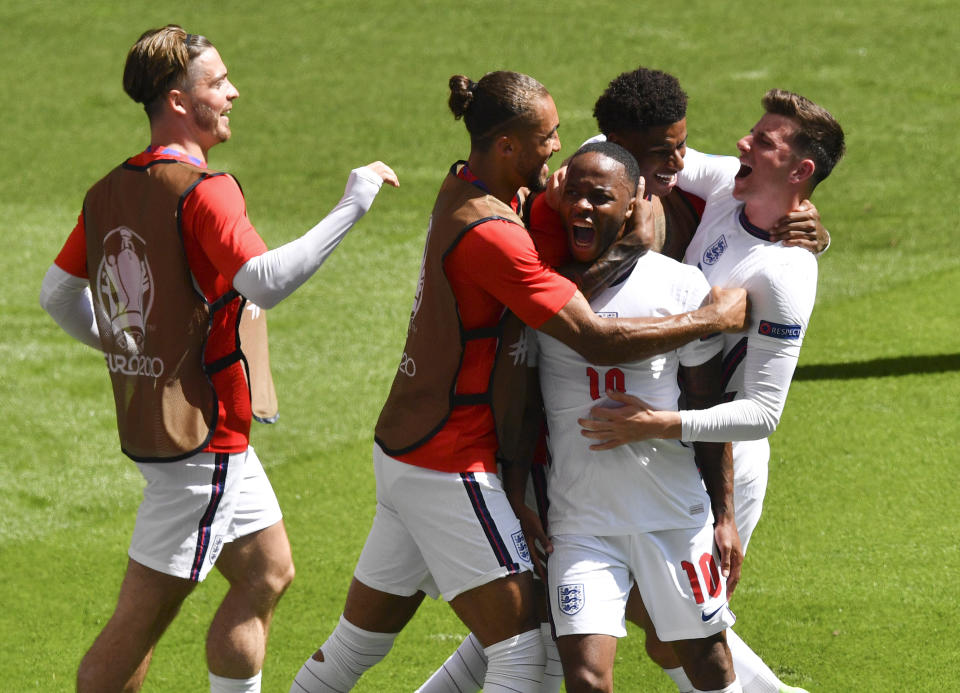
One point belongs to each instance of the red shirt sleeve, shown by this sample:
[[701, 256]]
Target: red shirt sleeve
[[497, 264], [546, 229], [215, 222], [73, 256]]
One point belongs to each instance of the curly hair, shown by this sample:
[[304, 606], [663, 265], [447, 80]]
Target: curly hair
[[640, 99]]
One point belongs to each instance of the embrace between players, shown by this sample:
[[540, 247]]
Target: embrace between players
[[638, 522]]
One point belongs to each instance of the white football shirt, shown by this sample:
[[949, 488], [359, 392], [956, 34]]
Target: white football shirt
[[639, 487], [781, 283]]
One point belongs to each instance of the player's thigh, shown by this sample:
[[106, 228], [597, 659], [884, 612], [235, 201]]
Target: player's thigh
[[187, 512], [148, 602], [378, 611], [256, 553], [462, 524], [498, 609], [390, 561], [678, 575], [256, 507], [589, 579]]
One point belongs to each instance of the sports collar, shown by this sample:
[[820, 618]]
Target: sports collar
[[755, 231], [464, 173], [169, 152]]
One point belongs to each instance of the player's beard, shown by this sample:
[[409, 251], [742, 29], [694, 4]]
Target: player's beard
[[537, 180], [208, 120]]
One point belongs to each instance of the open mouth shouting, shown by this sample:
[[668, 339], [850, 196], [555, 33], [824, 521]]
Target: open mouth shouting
[[583, 236]]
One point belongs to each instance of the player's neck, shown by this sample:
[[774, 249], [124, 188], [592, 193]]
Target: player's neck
[[765, 212], [494, 181], [162, 137]]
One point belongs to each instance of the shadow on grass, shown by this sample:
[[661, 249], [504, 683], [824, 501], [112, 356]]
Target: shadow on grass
[[880, 368]]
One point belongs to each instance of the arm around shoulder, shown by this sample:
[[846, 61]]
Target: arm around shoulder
[[611, 341]]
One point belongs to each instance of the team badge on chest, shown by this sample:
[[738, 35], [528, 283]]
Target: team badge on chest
[[571, 598], [713, 253]]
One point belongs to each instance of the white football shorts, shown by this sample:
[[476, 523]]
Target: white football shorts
[[441, 532], [676, 571], [192, 507]]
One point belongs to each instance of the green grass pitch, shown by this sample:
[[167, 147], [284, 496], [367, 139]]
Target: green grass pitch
[[850, 584]]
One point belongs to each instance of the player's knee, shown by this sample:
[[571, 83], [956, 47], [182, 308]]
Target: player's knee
[[581, 678], [516, 664], [281, 578], [275, 581], [264, 588], [660, 652], [707, 662]]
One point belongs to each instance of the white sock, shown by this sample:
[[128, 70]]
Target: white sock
[[757, 677], [680, 678], [219, 684], [732, 688], [515, 665], [347, 653], [553, 672], [463, 672]]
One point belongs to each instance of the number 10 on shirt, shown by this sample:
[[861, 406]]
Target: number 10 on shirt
[[613, 379]]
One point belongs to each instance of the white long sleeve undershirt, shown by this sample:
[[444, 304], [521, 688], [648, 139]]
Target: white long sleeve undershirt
[[269, 278], [756, 412], [266, 279], [68, 301]]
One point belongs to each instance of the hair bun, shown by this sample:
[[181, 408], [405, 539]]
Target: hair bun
[[461, 95]]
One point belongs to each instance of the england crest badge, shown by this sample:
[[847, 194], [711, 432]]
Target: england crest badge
[[713, 253], [570, 598], [521, 543]]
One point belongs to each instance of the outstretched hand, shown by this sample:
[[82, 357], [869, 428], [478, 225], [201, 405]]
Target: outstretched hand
[[385, 172]]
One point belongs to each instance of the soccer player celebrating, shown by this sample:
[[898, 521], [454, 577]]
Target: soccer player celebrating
[[640, 513], [790, 150], [443, 525], [164, 273]]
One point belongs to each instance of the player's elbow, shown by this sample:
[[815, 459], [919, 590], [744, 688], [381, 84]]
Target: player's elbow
[[766, 425]]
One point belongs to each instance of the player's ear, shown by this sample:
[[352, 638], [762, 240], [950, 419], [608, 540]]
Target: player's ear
[[630, 206], [176, 99], [504, 145], [802, 171]]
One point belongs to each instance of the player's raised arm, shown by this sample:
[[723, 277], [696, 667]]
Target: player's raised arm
[[269, 278]]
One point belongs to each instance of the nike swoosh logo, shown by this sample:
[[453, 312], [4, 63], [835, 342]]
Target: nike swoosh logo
[[706, 617]]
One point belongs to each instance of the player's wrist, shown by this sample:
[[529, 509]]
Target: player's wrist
[[723, 516]]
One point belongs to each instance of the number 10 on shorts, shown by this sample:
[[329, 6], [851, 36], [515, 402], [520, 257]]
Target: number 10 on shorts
[[709, 572]]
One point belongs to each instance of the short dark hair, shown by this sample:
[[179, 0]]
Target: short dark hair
[[819, 136], [158, 62], [501, 101], [640, 99], [618, 154]]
